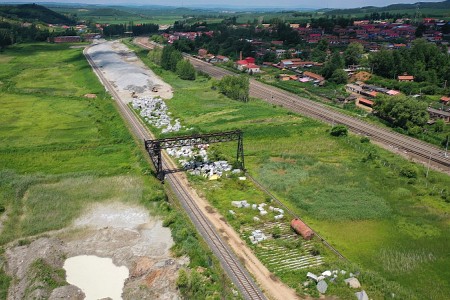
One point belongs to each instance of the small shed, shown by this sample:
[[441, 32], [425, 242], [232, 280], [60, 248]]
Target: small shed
[[445, 100], [302, 229]]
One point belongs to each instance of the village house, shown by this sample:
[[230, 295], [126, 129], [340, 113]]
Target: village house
[[221, 58], [439, 114], [313, 76], [241, 64], [365, 102], [248, 65], [67, 39], [405, 78], [202, 52], [445, 100]]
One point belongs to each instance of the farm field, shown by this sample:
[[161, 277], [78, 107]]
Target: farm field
[[61, 152], [378, 209]]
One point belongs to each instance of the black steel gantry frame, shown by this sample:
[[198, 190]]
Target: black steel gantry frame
[[154, 147]]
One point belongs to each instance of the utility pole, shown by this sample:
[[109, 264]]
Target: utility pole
[[429, 163], [446, 147]]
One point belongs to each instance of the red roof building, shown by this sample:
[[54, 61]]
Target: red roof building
[[250, 60], [405, 78], [365, 102], [445, 100], [313, 76]]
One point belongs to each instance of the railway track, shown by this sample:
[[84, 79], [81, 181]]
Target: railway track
[[425, 152], [230, 262]]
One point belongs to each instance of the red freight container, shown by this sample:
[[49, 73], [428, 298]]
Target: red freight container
[[302, 229]]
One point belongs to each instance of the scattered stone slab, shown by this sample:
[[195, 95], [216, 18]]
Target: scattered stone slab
[[326, 273], [312, 276], [322, 286], [362, 295], [353, 282]]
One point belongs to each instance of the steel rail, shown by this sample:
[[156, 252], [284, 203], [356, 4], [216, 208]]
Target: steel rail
[[230, 262]]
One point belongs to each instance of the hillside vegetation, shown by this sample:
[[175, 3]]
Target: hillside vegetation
[[444, 5], [33, 13]]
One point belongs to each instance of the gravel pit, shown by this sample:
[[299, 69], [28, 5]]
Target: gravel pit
[[128, 74], [97, 277], [126, 235]]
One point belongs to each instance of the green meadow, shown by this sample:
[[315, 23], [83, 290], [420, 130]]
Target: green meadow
[[378, 209], [61, 151]]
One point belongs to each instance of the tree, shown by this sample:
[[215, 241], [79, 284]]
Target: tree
[[155, 55], [157, 38], [235, 87], [5, 38], [185, 70], [170, 57], [382, 63], [352, 55], [175, 57], [339, 76], [439, 125], [332, 64], [402, 111]]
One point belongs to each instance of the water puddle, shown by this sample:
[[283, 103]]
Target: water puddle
[[97, 277]]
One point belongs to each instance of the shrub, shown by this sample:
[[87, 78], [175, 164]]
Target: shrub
[[408, 172], [183, 279], [339, 130], [364, 139]]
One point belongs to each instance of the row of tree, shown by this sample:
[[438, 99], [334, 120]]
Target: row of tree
[[11, 33], [120, 29], [171, 59], [425, 61]]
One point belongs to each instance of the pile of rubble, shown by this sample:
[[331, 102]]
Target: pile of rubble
[[257, 236], [331, 277], [195, 160], [155, 112], [192, 158], [260, 207]]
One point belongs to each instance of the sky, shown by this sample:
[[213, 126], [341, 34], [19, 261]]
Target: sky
[[240, 3]]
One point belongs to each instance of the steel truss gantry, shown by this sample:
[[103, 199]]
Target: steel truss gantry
[[154, 147]]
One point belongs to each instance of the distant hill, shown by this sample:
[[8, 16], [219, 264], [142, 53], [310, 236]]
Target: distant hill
[[33, 13], [445, 5]]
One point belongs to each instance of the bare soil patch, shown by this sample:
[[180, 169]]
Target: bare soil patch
[[125, 233]]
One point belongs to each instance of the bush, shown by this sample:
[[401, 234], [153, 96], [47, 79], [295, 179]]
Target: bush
[[183, 279], [408, 172], [339, 130], [364, 139]]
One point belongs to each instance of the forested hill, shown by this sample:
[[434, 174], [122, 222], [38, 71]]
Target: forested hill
[[369, 9], [33, 13]]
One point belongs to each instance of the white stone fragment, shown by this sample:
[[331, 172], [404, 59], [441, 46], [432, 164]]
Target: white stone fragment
[[312, 276]]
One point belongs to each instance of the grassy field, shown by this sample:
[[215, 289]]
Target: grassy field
[[392, 225], [60, 152]]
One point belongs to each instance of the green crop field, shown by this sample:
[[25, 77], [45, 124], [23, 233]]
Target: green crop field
[[375, 207]]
